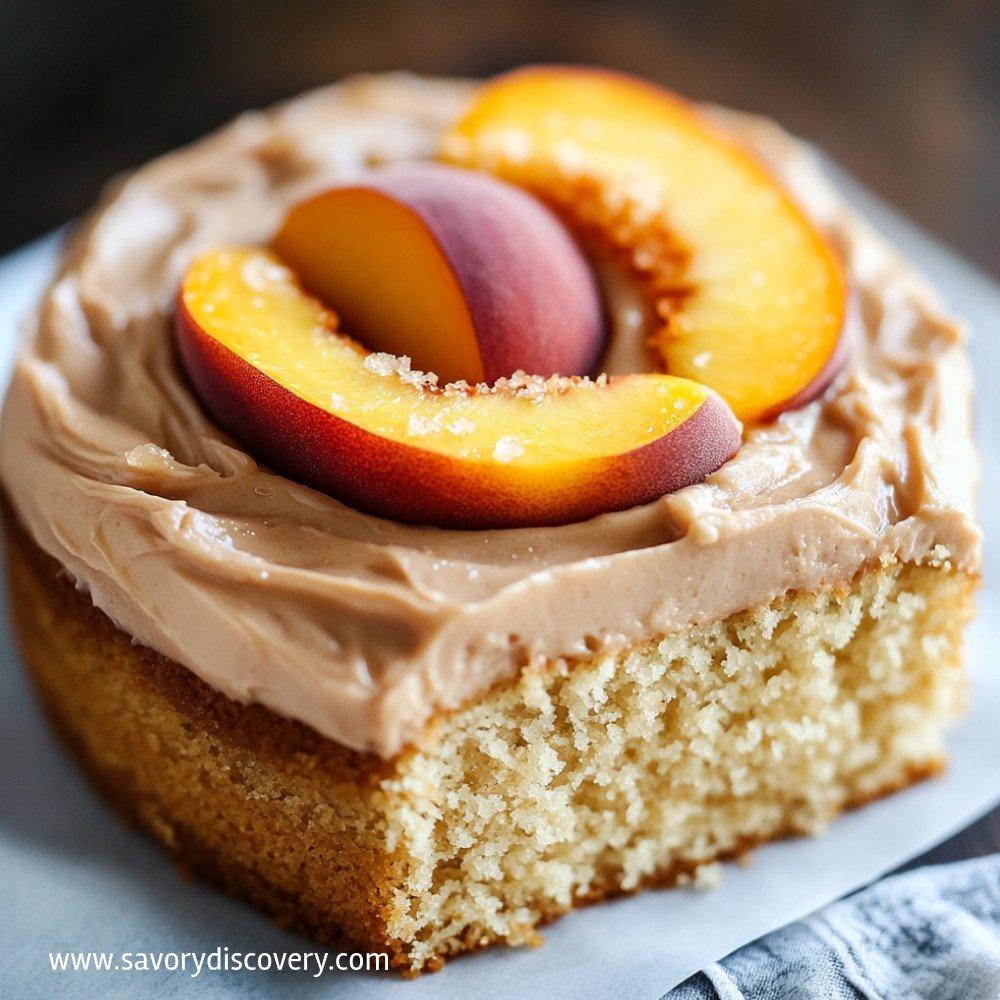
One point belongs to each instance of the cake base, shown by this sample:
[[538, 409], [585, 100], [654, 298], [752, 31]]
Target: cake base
[[572, 783]]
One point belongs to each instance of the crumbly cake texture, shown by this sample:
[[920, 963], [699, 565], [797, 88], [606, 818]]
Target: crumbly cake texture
[[572, 783]]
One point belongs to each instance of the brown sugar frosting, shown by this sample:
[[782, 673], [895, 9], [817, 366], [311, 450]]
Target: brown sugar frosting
[[364, 628]]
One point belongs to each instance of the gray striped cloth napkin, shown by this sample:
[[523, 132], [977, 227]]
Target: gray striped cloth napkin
[[932, 933]]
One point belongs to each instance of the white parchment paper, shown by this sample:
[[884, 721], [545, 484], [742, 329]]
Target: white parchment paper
[[72, 878]]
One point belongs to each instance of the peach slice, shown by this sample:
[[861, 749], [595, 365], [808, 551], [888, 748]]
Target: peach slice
[[470, 277], [750, 295], [271, 368]]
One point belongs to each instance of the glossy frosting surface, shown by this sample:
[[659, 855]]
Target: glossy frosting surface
[[363, 628]]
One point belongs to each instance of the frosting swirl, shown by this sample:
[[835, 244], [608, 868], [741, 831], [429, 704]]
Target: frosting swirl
[[364, 628]]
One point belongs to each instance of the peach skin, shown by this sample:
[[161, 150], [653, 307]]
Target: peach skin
[[467, 275], [271, 367], [750, 297]]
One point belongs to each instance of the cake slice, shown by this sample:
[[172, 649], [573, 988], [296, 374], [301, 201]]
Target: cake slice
[[424, 739]]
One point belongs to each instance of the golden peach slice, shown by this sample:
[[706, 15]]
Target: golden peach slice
[[751, 296], [269, 365], [470, 277]]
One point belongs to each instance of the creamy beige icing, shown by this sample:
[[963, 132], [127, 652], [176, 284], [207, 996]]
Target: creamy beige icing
[[363, 628]]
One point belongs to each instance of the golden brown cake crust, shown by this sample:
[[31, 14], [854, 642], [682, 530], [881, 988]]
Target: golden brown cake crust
[[164, 748], [262, 805]]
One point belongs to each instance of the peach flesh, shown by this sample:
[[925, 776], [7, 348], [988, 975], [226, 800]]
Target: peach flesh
[[470, 277], [751, 296], [266, 360]]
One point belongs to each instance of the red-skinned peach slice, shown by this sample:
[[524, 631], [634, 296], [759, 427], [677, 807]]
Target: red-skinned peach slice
[[750, 295], [467, 275], [269, 365]]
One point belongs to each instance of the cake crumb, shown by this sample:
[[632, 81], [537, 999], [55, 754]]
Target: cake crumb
[[149, 457], [708, 876]]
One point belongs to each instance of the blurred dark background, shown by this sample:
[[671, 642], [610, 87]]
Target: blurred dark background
[[904, 93]]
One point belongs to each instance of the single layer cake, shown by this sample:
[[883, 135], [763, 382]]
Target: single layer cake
[[424, 740]]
